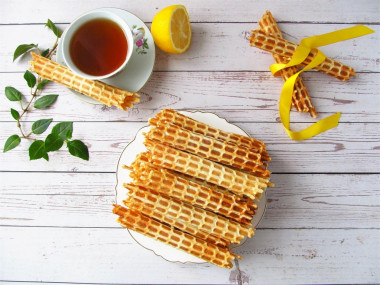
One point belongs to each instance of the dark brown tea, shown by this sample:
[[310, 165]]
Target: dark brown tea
[[98, 47]]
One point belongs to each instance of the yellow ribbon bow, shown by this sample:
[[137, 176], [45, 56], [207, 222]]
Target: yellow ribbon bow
[[299, 56]]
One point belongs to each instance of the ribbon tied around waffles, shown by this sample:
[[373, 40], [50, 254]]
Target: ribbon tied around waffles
[[307, 54]]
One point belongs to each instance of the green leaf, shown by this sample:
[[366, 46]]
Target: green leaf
[[12, 142], [30, 78], [63, 129], [53, 142], [37, 150], [21, 49], [15, 114], [69, 134], [45, 52], [42, 83], [78, 148], [12, 94], [45, 101], [52, 27], [46, 157], [40, 126]]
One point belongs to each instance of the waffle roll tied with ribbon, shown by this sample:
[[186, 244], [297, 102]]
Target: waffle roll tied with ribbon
[[286, 49], [204, 203], [100, 91], [307, 55], [301, 100]]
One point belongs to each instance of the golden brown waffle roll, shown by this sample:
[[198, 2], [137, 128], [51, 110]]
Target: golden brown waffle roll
[[163, 181], [238, 182], [286, 49], [171, 116], [142, 224], [143, 158], [107, 94], [187, 217], [223, 152], [158, 207], [206, 184], [301, 99]]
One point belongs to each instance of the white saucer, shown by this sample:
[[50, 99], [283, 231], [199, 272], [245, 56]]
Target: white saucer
[[138, 69], [128, 155]]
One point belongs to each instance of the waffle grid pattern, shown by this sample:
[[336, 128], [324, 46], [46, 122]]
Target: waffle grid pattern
[[207, 147], [140, 223], [286, 49], [171, 116], [301, 100], [187, 200], [190, 219], [107, 94], [163, 181], [240, 183]]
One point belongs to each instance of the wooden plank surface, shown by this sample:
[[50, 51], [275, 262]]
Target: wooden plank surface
[[100, 255], [322, 220], [236, 96], [364, 11], [211, 42], [297, 201], [349, 148]]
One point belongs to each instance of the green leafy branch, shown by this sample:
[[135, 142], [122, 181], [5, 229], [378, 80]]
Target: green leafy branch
[[61, 132]]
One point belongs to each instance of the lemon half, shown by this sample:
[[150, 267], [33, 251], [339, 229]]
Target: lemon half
[[171, 29]]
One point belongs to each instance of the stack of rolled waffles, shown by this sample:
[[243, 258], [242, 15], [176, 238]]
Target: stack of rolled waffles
[[196, 187]]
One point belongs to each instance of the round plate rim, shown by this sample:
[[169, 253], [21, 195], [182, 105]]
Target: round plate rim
[[117, 184]]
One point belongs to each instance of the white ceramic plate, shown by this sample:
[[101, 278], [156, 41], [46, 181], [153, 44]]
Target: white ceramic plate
[[140, 66], [128, 156]]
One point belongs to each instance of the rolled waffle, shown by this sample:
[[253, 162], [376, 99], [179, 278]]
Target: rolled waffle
[[145, 225], [223, 152], [107, 94], [162, 181], [160, 213], [144, 158], [301, 100], [171, 116], [238, 182], [157, 207], [286, 49], [199, 222]]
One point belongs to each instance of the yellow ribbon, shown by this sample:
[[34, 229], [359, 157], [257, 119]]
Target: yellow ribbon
[[299, 56]]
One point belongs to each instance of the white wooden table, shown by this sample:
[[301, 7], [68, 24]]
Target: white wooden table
[[322, 221]]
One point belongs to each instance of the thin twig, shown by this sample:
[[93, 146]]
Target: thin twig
[[52, 49], [34, 94]]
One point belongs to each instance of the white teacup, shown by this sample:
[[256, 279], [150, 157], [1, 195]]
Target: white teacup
[[131, 38]]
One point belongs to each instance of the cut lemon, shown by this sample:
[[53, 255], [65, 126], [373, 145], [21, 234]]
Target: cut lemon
[[171, 29]]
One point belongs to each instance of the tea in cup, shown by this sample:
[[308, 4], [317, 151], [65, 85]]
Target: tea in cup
[[98, 45]]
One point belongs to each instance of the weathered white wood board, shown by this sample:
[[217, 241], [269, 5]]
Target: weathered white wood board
[[111, 256], [211, 42], [322, 220], [85, 200], [236, 96], [350, 148], [364, 11]]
